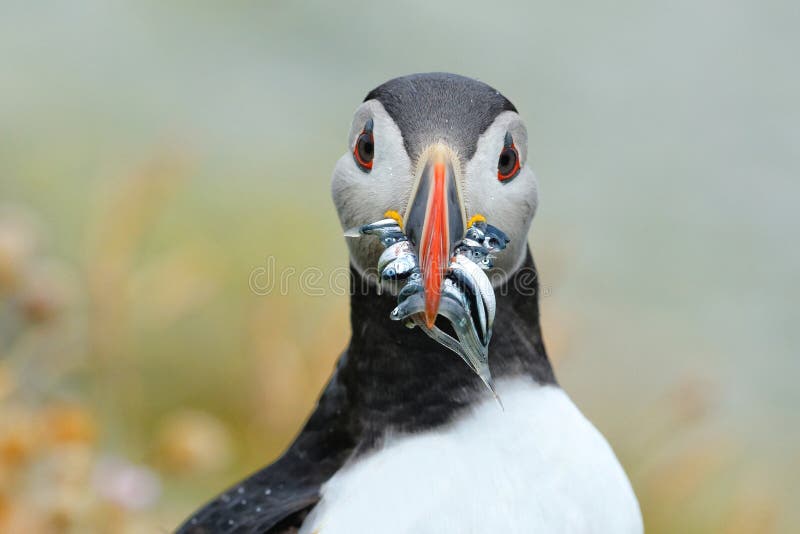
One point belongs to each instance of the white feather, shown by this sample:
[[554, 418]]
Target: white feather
[[362, 198], [537, 466]]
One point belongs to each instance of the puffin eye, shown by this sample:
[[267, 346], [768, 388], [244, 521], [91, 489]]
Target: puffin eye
[[508, 162], [364, 151]]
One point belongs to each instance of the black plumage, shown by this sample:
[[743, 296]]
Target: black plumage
[[387, 378], [439, 106]]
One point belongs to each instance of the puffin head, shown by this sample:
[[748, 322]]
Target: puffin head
[[436, 151]]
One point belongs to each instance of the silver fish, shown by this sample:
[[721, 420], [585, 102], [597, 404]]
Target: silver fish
[[489, 236], [400, 268], [466, 280], [387, 230], [467, 299], [484, 286], [495, 238], [474, 352], [477, 253], [400, 250], [456, 309]]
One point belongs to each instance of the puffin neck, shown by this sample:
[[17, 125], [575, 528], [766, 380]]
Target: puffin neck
[[400, 379]]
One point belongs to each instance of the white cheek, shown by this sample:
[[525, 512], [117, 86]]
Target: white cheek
[[508, 205], [364, 197], [512, 203], [348, 189]]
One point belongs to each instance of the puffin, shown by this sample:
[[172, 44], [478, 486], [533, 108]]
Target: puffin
[[406, 438]]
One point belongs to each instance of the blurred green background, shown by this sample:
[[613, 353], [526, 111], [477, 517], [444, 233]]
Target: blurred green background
[[153, 154]]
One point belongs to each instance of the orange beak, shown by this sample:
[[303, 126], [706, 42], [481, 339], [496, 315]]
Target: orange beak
[[435, 223]]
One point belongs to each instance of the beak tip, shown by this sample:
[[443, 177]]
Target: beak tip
[[433, 292], [430, 318]]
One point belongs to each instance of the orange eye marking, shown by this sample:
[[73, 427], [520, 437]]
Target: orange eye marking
[[508, 162], [364, 149]]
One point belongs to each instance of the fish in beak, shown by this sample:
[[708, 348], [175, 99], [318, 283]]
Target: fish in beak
[[439, 259], [435, 221]]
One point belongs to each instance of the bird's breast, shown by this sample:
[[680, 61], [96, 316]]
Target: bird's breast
[[538, 465]]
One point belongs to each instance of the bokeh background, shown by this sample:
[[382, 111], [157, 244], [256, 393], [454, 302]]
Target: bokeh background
[[153, 155]]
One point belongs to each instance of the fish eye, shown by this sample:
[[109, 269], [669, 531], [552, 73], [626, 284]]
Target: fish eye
[[364, 151], [508, 162]]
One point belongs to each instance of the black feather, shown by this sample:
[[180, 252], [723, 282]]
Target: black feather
[[388, 378], [438, 106]]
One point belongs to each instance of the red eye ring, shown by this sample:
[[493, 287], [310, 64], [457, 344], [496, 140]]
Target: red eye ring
[[364, 149], [508, 162]]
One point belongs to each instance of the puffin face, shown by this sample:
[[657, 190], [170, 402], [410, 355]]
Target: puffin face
[[438, 150]]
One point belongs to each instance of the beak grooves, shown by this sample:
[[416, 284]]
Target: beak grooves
[[435, 222], [434, 245]]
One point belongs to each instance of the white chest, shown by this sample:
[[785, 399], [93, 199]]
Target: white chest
[[537, 466]]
